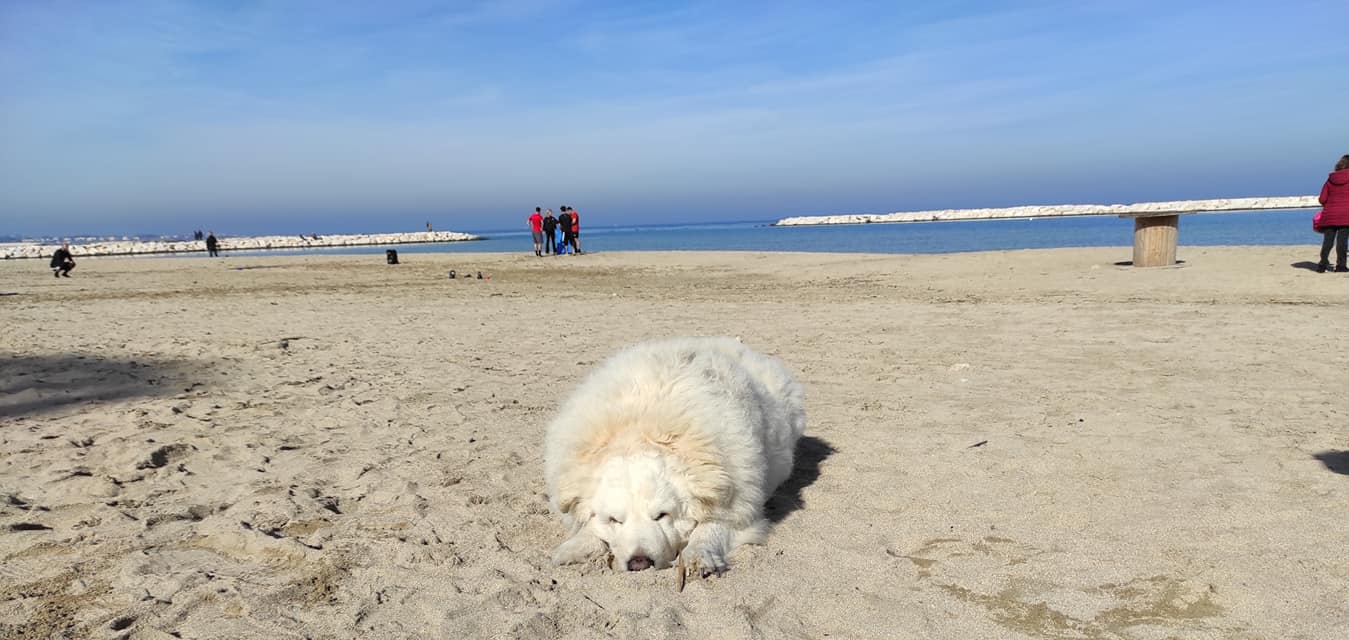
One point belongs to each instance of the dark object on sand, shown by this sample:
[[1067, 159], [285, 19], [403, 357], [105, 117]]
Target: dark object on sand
[[391, 256], [977, 444], [452, 276], [480, 275], [62, 262]]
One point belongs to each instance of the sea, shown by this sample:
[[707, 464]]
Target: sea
[[1291, 227]]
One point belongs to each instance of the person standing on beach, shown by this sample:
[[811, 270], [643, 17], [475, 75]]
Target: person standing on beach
[[549, 231], [536, 230], [564, 223], [1335, 217], [62, 261], [212, 245], [575, 231]]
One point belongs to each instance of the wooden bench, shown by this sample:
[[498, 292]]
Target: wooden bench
[[1155, 232]]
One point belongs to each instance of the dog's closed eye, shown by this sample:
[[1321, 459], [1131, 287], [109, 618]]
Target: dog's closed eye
[[613, 520], [663, 515]]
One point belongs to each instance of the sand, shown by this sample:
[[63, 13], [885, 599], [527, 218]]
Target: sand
[[1035, 444]]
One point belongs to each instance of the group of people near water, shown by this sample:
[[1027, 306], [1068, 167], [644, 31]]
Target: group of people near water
[[544, 228], [1333, 218]]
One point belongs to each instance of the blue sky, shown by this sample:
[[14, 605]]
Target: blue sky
[[248, 117]]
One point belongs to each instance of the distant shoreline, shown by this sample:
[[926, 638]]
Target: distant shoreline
[[23, 251], [1061, 210]]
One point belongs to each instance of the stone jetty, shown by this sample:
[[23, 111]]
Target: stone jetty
[[243, 243], [1059, 210]]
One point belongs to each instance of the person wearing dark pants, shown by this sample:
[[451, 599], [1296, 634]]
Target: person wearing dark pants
[[575, 239], [1339, 238], [549, 231], [212, 245], [62, 262], [1334, 221], [564, 225]]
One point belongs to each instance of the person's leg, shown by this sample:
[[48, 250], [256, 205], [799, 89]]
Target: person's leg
[[1341, 248], [1327, 241]]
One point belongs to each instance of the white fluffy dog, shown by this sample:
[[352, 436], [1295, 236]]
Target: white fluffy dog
[[670, 450]]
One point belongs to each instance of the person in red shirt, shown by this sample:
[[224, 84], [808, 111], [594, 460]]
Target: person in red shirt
[[575, 231], [1335, 217], [536, 230]]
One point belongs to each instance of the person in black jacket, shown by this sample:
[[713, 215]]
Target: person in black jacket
[[549, 231], [564, 223], [211, 245], [62, 261]]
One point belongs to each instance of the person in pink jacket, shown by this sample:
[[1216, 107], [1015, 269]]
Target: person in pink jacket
[[1335, 217]]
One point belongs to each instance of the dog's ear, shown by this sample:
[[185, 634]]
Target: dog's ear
[[709, 485], [572, 491], [566, 506], [704, 476]]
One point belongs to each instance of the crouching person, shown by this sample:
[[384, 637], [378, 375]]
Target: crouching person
[[62, 261]]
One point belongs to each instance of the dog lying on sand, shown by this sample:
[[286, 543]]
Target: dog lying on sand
[[667, 452]]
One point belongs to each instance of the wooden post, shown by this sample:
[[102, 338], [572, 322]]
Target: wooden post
[[1155, 240]]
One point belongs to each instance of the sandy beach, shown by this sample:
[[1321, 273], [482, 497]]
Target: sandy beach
[[1027, 444]]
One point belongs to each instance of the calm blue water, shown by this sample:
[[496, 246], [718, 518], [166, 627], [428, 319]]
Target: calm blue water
[[1242, 228]]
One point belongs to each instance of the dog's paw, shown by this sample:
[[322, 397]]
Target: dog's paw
[[706, 552], [579, 548], [706, 561]]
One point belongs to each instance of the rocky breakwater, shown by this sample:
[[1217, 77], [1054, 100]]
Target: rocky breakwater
[[137, 247], [1050, 211]]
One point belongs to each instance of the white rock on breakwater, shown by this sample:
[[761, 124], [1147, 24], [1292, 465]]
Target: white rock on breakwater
[[125, 248], [1049, 211]]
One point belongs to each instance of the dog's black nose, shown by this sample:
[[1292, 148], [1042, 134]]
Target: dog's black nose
[[639, 563]]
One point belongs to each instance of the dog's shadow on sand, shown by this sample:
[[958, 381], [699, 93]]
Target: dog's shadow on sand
[[810, 452], [32, 385], [1336, 461]]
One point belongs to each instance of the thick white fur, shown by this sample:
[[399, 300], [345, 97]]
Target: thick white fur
[[672, 447]]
